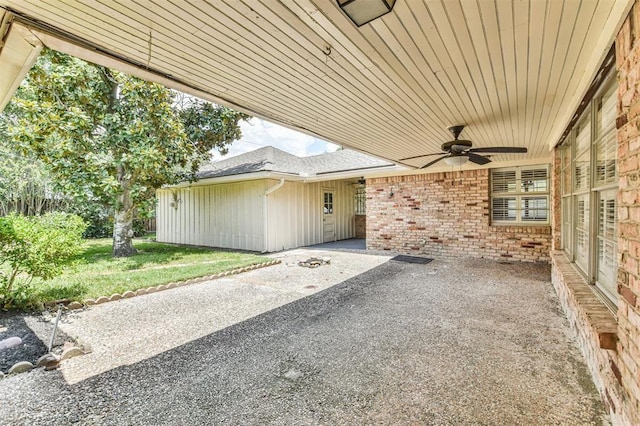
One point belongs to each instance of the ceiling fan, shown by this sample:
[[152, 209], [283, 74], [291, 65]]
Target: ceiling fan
[[458, 151]]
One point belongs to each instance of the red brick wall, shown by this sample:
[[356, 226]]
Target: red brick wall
[[628, 66], [446, 214]]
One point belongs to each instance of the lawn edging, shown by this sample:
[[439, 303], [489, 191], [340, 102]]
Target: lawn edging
[[148, 290]]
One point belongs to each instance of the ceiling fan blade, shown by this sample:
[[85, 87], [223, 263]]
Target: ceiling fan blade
[[423, 155], [435, 161], [478, 159], [501, 150]]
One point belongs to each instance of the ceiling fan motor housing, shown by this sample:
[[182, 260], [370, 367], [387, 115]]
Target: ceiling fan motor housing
[[447, 145]]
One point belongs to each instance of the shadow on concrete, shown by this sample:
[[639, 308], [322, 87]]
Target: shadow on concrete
[[401, 343]]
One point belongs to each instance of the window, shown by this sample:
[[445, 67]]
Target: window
[[328, 203], [589, 185], [361, 200], [520, 195]]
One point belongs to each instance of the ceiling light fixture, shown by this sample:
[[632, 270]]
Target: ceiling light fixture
[[456, 160], [364, 11]]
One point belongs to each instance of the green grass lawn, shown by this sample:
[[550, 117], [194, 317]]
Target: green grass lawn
[[99, 274]]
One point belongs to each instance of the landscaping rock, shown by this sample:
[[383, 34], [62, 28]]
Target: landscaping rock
[[90, 302], [162, 287], [172, 285], [314, 262], [115, 297], [151, 290], [102, 299], [141, 291], [46, 359], [10, 342], [74, 305], [71, 352], [128, 294], [21, 367]]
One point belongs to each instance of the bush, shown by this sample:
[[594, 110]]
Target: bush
[[37, 246], [98, 218]]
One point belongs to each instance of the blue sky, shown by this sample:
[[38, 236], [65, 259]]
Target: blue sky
[[257, 133]]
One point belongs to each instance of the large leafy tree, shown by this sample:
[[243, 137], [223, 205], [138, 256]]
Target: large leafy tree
[[111, 137]]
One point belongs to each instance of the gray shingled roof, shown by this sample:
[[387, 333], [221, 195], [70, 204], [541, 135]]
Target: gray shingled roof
[[272, 159]]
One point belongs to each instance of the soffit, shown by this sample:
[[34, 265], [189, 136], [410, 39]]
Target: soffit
[[514, 72]]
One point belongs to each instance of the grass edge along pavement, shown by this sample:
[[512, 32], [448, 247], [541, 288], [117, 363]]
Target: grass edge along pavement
[[157, 266], [148, 290]]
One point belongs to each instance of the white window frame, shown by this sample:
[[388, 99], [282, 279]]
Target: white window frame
[[596, 259], [360, 200], [520, 196]]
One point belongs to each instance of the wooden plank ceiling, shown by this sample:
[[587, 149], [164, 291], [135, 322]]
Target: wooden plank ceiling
[[513, 71]]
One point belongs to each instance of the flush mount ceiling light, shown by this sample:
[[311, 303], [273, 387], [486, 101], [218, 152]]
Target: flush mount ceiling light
[[365, 11], [456, 160]]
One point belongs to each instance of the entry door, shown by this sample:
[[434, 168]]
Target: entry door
[[328, 219]]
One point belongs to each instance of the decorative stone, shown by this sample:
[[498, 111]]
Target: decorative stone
[[152, 290], [10, 342], [74, 305], [115, 297], [1, 374], [71, 352], [90, 302], [47, 359], [128, 294], [20, 367], [171, 285], [162, 287], [52, 365], [141, 291], [102, 299]]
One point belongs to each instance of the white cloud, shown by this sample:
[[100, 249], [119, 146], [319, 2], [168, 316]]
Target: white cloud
[[257, 133]]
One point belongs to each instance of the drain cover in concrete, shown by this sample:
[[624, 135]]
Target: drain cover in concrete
[[411, 259]]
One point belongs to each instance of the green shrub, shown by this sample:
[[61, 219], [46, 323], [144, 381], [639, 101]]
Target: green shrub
[[37, 246], [99, 219]]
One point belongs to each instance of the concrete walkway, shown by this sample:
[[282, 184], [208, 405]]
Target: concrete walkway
[[450, 342]]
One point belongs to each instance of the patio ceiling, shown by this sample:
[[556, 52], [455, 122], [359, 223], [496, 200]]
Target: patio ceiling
[[513, 71]]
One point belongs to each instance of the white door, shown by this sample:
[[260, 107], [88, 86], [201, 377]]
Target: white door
[[328, 219]]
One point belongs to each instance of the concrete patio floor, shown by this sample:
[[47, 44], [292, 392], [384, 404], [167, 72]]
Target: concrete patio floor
[[452, 342]]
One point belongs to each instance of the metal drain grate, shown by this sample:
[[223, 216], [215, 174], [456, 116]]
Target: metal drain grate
[[411, 259]]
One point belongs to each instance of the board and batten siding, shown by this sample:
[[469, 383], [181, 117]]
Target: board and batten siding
[[295, 213], [225, 215], [231, 215]]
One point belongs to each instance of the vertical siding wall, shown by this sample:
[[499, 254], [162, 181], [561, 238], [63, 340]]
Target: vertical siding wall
[[223, 215], [231, 215], [295, 213]]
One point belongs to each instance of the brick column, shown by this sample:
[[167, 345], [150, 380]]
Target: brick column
[[628, 123]]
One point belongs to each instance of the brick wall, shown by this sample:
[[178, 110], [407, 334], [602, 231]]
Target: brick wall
[[628, 66], [595, 330], [446, 214], [361, 226]]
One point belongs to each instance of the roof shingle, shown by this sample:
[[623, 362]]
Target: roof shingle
[[273, 159]]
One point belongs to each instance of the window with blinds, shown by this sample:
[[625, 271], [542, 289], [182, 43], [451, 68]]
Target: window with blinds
[[520, 195], [589, 185]]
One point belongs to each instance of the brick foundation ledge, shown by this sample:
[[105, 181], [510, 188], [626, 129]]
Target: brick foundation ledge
[[588, 308], [595, 329]]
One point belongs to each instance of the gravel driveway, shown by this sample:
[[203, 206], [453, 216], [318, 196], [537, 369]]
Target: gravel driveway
[[450, 342]]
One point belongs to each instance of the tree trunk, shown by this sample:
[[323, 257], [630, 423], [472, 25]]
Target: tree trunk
[[123, 226]]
